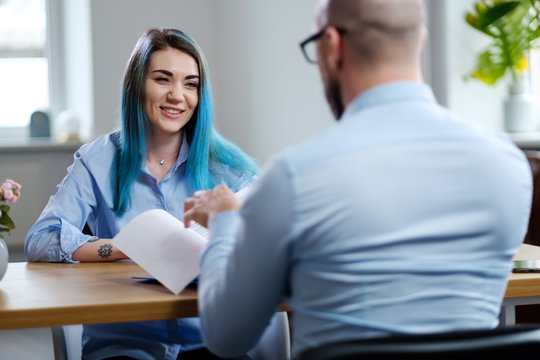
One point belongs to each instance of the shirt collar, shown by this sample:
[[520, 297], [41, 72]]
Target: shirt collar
[[387, 93]]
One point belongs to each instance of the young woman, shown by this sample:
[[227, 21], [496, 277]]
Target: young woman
[[166, 149]]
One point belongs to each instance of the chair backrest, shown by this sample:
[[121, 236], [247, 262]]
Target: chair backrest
[[533, 231], [502, 343]]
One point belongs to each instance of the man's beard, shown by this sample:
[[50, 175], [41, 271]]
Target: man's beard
[[334, 98]]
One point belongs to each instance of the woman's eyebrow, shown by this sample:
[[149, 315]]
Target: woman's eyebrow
[[170, 74], [165, 72]]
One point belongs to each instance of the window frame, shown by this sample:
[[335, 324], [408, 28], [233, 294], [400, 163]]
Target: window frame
[[53, 53]]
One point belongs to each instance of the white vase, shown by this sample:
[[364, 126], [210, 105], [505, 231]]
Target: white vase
[[520, 109], [4, 258]]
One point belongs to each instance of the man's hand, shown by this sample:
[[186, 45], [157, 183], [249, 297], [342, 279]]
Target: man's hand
[[205, 203]]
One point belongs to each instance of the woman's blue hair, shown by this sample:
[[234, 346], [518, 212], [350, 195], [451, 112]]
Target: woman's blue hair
[[207, 149]]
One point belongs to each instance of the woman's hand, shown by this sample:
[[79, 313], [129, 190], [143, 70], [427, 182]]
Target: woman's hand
[[206, 203]]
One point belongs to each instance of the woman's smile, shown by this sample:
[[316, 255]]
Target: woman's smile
[[172, 112]]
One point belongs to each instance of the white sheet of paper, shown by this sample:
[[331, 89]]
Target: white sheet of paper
[[204, 232], [160, 244]]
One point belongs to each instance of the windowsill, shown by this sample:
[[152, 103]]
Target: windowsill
[[526, 140], [36, 144]]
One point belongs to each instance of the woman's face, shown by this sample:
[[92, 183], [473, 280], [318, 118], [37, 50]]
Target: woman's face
[[170, 90]]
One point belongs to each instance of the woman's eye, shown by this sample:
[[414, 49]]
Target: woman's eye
[[192, 85], [162, 79]]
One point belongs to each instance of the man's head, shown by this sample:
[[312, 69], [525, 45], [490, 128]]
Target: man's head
[[367, 42]]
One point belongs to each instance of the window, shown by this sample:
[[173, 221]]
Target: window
[[24, 74]]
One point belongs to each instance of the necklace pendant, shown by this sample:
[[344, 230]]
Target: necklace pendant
[[162, 162]]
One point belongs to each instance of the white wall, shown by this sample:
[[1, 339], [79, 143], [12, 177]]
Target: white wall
[[268, 96]]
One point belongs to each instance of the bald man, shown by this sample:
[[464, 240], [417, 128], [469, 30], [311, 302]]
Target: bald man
[[398, 219]]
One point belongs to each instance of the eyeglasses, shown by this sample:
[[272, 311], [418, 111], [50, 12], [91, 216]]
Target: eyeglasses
[[308, 46]]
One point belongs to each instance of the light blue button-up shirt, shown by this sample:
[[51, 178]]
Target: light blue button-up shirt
[[85, 196], [400, 218]]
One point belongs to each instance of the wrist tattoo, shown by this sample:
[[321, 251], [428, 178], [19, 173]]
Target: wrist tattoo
[[105, 250]]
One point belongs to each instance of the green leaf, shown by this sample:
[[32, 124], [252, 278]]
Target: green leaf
[[5, 221], [496, 12], [514, 27], [490, 67]]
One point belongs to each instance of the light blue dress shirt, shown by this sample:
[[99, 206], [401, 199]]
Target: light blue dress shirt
[[85, 196], [399, 218]]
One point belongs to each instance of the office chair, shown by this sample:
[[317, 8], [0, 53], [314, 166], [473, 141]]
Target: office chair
[[67, 342], [501, 343], [274, 343]]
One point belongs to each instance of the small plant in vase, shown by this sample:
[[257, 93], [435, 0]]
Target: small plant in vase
[[10, 192], [513, 27]]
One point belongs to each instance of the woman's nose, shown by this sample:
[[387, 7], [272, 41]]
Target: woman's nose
[[175, 94]]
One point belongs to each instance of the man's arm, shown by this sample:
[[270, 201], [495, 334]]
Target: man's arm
[[244, 271]]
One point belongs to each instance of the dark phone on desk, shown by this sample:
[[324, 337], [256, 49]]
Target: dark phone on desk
[[521, 266]]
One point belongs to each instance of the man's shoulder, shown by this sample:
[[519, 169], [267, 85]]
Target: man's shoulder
[[491, 139]]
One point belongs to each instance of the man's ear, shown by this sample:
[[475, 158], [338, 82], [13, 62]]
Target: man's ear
[[424, 38], [334, 49]]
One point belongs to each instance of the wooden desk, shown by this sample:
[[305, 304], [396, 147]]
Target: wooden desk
[[523, 288], [53, 294]]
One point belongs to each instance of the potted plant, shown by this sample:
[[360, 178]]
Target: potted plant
[[513, 27], [10, 191]]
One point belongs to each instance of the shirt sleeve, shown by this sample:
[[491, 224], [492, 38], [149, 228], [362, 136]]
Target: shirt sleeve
[[57, 232], [244, 269]]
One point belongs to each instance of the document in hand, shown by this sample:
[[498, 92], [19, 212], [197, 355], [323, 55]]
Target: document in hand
[[160, 244]]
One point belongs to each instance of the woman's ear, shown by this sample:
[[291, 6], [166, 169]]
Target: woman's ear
[[334, 49]]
